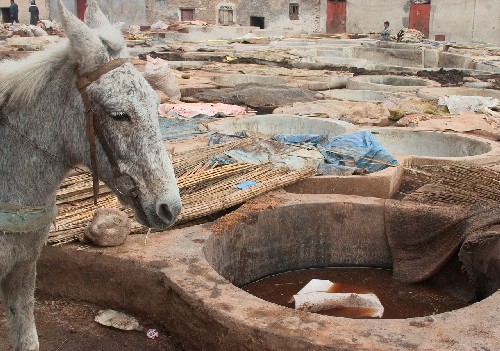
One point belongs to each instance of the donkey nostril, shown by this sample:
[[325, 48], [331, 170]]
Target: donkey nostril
[[165, 214]]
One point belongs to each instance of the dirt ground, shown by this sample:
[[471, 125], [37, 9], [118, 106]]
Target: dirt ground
[[65, 325]]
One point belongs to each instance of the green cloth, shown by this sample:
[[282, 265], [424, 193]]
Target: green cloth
[[14, 218]]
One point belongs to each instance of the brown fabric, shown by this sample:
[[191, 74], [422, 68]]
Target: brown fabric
[[423, 238]]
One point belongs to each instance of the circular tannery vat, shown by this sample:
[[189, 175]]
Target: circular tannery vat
[[281, 124], [436, 93], [189, 278], [437, 148], [388, 83], [231, 80], [358, 95]]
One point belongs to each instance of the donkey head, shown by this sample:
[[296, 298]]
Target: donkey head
[[125, 107]]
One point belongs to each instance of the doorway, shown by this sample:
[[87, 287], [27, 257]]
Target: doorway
[[81, 6], [419, 17], [257, 22], [336, 15], [225, 17], [5, 15]]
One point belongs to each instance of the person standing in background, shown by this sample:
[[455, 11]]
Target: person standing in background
[[14, 12], [34, 13], [386, 33]]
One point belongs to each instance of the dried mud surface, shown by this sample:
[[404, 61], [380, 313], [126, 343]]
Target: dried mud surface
[[65, 325], [245, 214]]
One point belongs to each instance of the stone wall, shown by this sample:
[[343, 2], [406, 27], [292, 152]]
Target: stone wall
[[170, 10], [276, 14]]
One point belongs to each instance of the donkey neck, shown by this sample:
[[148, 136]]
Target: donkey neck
[[53, 120]]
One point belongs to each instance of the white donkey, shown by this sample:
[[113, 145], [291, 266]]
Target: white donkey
[[46, 126]]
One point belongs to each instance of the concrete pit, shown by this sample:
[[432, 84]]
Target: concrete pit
[[358, 95], [322, 83], [192, 277], [438, 148], [388, 83], [436, 93], [271, 125], [231, 80]]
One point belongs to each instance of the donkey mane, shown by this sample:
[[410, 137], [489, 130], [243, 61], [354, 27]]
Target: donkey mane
[[21, 81]]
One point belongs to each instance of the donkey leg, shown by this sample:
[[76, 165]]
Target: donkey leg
[[18, 289]]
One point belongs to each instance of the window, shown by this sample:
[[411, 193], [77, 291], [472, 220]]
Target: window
[[294, 11], [187, 14]]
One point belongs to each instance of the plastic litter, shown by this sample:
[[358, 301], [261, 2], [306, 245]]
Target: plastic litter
[[152, 333], [118, 320], [245, 184]]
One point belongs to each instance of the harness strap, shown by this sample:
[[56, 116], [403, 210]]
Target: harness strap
[[82, 82], [85, 80]]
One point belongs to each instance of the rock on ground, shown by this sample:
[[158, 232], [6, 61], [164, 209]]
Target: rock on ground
[[109, 227]]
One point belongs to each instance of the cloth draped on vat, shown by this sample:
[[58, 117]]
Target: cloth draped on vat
[[424, 239]]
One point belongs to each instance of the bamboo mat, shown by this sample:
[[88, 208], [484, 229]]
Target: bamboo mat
[[458, 184], [205, 189]]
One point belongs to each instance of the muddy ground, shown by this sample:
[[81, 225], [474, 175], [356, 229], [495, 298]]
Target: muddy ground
[[65, 325]]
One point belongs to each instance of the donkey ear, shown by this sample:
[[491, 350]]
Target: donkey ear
[[94, 17], [109, 35], [89, 51]]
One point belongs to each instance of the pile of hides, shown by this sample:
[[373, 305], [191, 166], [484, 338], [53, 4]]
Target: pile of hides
[[8, 30], [346, 152], [159, 25], [183, 121], [191, 110], [408, 35], [458, 104]]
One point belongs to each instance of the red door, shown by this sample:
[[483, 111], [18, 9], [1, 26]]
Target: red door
[[335, 17], [419, 18], [81, 5]]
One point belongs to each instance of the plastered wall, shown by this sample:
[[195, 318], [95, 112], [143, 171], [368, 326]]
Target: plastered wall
[[369, 15], [128, 11]]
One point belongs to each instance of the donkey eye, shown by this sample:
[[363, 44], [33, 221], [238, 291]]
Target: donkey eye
[[120, 116]]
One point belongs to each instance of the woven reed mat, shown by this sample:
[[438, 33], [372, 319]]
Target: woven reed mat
[[205, 189]]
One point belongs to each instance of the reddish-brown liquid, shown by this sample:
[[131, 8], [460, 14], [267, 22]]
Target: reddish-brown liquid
[[400, 300]]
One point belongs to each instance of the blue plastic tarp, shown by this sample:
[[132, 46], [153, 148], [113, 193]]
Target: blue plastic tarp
[[360, 149]]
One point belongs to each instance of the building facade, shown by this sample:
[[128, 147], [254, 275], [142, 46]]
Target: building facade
[[451, 20], [24, 14]]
